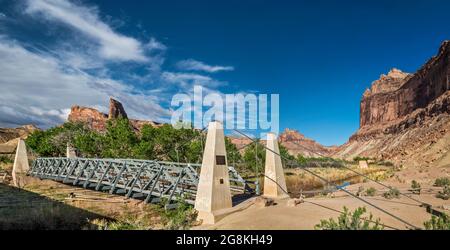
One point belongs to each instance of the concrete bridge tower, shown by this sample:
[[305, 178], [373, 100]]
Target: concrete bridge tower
[[274, 180], [213, 192]]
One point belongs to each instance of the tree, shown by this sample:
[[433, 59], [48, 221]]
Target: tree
[[53, 142], [252, 163], [233, 154], [119, 140], [145, 149]]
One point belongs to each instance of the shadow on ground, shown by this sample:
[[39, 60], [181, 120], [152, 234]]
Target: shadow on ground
[[25, 210]]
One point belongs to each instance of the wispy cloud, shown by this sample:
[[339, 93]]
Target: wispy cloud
[[194, 65], [42, 81], [41, 89], [113, 46]]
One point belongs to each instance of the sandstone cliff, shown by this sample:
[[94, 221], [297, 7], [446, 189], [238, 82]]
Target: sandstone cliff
[[405, 118], [97, 120]]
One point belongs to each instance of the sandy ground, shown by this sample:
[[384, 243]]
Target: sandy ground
[[308, 214]]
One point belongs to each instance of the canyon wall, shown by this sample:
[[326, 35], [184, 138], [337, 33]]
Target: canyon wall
[[405, 117]]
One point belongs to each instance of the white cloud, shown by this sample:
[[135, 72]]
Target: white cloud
[[39, 89], [113, 46], [188, 80], [42, 82], [193, 65]]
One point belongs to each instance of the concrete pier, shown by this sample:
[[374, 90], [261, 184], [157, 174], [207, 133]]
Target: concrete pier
[[363, 165], [21, 165], [213, 198], [274, 180], [71, 152]]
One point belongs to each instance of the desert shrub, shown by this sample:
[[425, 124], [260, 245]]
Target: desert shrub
[[415, 186], [359, 158], [105, 224], [385, 163], [351, 221], [392, 193], [442, 182], [360, 191], [5, 159], [371, 191], [438, 223], [180, 218], [444, 194]]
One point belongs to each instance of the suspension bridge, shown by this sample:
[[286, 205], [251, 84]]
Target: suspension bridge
[[152, 181], [208, 186]]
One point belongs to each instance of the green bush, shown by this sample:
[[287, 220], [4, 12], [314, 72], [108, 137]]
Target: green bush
[[415, 186], [359, 158], [392, 193], [5, 159], [442, 182], [180, 218], [438, 223], [444, 194], [351, 221], [121, 141], [249, 157], [371, 191]]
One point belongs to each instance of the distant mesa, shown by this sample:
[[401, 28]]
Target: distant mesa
[[97, 120], [9, 137], [295, 142], [8, 134]]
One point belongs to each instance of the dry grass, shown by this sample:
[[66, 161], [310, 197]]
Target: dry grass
[[48, 205]]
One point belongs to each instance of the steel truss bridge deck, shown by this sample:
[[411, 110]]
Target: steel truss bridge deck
[[152, 181]]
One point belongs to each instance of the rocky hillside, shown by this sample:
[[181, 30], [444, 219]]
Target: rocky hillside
[[405, 117], [8, 134], [97, 120], [295, 142]]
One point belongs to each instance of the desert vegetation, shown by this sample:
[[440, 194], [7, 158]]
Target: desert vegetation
[[438, 223], [351, 221], [442, 182], [121, 141], [392, 193]]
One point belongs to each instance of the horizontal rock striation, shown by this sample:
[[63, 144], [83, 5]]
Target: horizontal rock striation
[[405, 117]]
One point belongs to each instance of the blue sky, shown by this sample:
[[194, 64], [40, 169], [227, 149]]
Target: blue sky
[[319, 56]]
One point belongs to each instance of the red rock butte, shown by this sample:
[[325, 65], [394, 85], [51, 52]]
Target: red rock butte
[[97, 120]]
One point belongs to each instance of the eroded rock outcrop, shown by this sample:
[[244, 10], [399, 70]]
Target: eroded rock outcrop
[[8, 134], [97, 120], [295, 142], [406, 117]]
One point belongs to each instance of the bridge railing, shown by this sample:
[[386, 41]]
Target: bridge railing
[[147, 179]]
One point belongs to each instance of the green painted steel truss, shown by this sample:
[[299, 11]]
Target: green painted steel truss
[[152, 181]]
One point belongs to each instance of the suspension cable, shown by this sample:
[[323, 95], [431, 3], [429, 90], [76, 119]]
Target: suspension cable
[[337, 187]]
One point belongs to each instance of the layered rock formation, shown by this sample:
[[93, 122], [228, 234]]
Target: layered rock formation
[[97, 120], [295, 142], [8, 134], [405, 118]]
